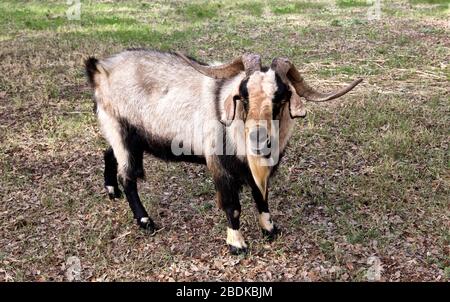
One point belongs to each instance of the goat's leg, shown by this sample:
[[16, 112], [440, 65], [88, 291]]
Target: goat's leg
[[110, 174], [129, 157], [139, 212], [228, 199], [268, 228], [129, 182]]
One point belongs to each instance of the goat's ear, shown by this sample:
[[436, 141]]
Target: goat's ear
[[232, 108], [296, 106], [229, 109]]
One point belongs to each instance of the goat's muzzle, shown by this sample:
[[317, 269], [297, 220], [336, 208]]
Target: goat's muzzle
[[259, 150], [259, 140]]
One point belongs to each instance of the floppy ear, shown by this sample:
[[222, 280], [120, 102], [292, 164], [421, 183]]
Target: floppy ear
[[231, 108], [296, 106]]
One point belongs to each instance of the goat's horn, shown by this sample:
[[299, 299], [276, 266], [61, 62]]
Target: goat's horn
[[287, 69], [247, 62]]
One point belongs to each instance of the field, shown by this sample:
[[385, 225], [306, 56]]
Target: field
[[362, 193]]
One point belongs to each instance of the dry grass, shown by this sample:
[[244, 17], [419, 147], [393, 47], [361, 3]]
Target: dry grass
[[364, 177]]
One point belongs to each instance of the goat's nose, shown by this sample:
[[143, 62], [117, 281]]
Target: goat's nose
[[259, 140]]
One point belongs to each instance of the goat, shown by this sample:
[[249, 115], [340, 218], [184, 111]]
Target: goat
[[158, 102]]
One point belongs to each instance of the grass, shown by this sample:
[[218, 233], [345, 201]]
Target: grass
[[201, 11], [364, 176], [295, 7], [352, 3], [430, 1], [254, 8]]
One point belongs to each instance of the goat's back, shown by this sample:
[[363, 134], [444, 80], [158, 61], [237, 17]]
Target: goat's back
[[158, 92]]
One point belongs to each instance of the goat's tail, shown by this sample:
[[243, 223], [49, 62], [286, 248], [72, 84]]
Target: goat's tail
[[93, 71], [92, 67]]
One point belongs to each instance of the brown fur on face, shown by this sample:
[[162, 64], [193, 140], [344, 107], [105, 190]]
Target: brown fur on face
[[261, 88]]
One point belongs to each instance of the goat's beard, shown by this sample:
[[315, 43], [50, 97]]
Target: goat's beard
[[260, 169], [259, 165]]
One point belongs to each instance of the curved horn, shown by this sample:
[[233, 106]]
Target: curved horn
[[248, 62], [286, 69]]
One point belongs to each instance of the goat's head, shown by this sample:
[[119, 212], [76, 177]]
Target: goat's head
[[263, 96]]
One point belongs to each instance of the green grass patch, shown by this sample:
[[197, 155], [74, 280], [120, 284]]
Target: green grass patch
[[430, 2], [199, 11], [295, 7], [253, 8], [352, 3]]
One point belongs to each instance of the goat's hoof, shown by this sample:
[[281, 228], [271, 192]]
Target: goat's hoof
[[271, 235], [147, 224], [113, 192], [237, 250]]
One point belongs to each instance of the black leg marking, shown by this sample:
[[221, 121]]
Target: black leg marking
[[261, 203], [268, 228], [135, 142], [110, 174], [237, 251], [272, 235], [139, 212], [228, 190]]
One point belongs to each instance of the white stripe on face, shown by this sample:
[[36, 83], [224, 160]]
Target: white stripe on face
[[265, 222], [234, 238], [269, 83]]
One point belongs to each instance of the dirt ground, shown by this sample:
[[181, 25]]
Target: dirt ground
[[362, 193]]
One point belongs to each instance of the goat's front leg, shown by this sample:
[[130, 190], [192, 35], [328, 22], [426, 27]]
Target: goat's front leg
[[228, 200], [269, 229], [228, 188]]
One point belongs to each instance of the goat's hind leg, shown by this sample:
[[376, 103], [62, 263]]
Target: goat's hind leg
[[139, 212], [110, 175], [133, 172], [128, 152], [129, 182]]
